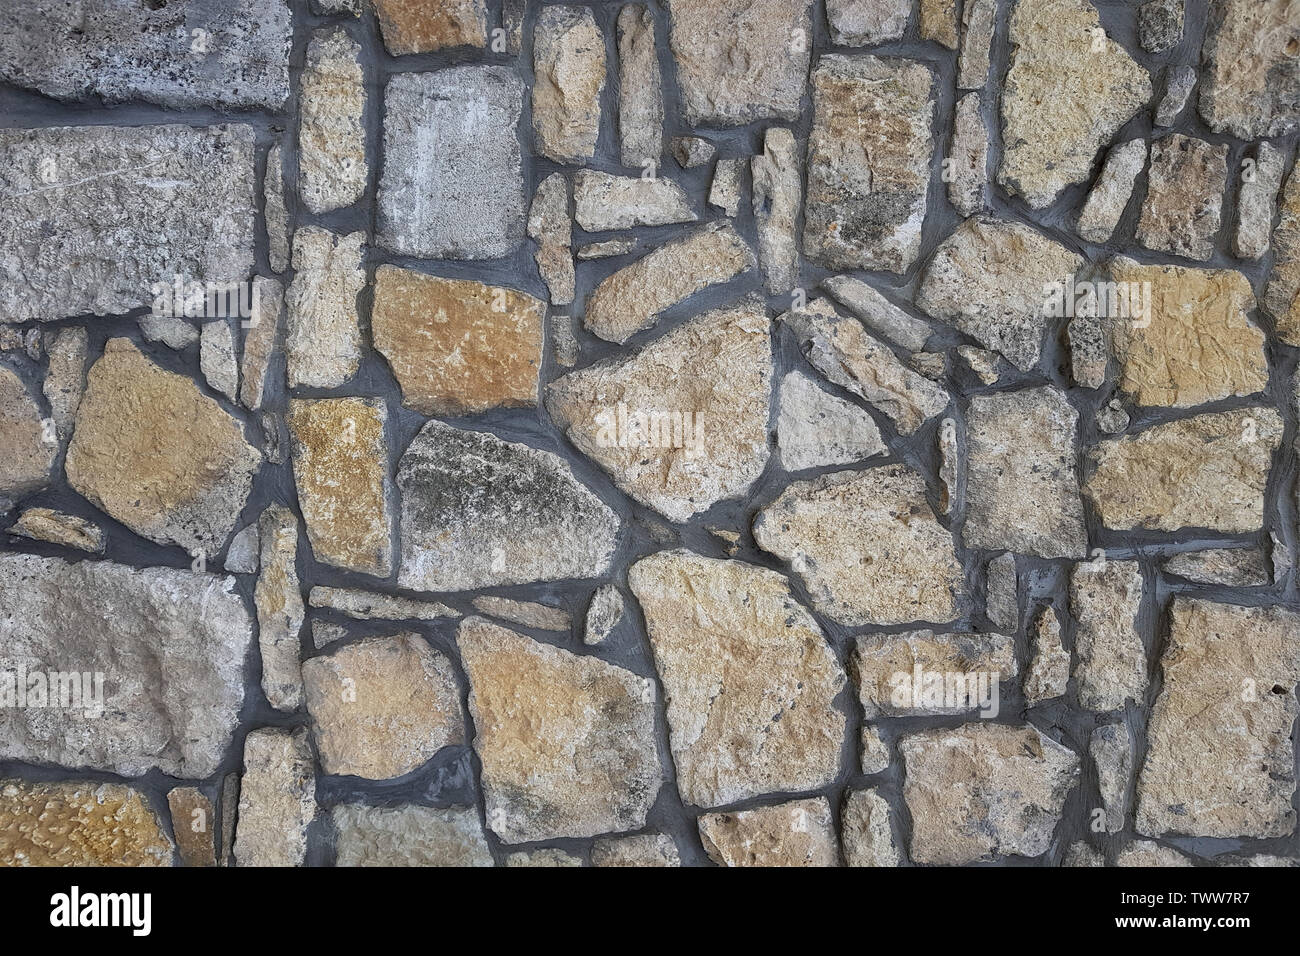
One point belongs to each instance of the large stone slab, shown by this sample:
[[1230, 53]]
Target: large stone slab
[[277, 799], [83, 824]]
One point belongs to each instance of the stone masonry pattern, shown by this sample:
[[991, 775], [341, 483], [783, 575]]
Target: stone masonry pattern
[[664, 433]]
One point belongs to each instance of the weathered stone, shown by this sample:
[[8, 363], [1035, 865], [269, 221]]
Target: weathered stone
[[524, 613], [1111, 747], [1179, 83], [875, 752], [646, 849], [602, 202], [324, 633], [868, 162], [640, 91], [985, 365], [724, 192], [382, 707], [408, 836], [170, 331], [369, 605], [1148, 854], [1282, 297], [244, 555], [229, 54], [989, 279], [1195, 344], [56, 527], [122, 212], [1105, 599], [1251, 87], [933, 365], [1219, 758], [1069, 89], [798, 833], [550, 226], [938, 22], [156, 454], [229, 812], [977, 21], [1002, 602], [65, 379], [1160, 25], [30, 447], [1022, 489], [1080, 854], [884, 666], [195, 825], [968, 157], [1110, 194], [1228, 567], [341, 7], [606, 248], [748, 677], [740, 60], [1089, 350], [452, 185], [632, 298], [418, 26], [457, 346], [692, 151], [276, 212], [262, 340], [543, 858], [332, 167], [841, 349], [815, 428], [867, 22], [479, 512], [1257, 201], [170, 646], [323, 343], [776, 196], [277, 799], [1184, 202], [512, 22], [982, 790], [564, 341], [1049, 670], [681, 424], [569, 67], [217, 358], [603, 614], [79, 824], [1112, 418], [535, 707], [880, 315], [1209, 471], [868, 835], [280, 612], [866, 546]]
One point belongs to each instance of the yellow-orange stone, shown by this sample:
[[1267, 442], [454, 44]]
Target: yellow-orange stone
[[457, 346], [419, 26], [78, 824]]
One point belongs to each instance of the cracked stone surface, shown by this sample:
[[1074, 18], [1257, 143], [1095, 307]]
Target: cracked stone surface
[[569, 66], [277, 799], [1184, 202], [777, 193], [1110, 195], [879, 659], [415, 26]]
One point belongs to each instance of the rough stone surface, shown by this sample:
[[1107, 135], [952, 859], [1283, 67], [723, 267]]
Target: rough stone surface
[[983, 790], [875, 752], [640, 90], [123, 211], [868, 835], [748, 678], [276, 210], [1282, 297], [603, 614], [569, 66], [566, 742], [1147, 854], [218, 360], [550, 226], [30, 448], [868, 162], [524, 613], [798, 833], [1111, 748], [156, 454], [408, 836], [170, 331], [879, 658], [968, 157], [170, 644], [977, 22], [56, 527], [1184, 202], [244, 555], [603, 202], [1229, 567], [1179, 83], [692, 151], [1257, 201], [1208, 471], [262, 342], [84, 824], [1160, 25], [632, 298], [1251, 86], [1002, 603], [681, 424], [1049, 669], [1021, 485], [195, 825], [646, 849], [1109, 196], [478, 511], [369, 605], [323, 342], [280, 611], [867, 22], [543, 858], [332, 167], [417, 26], [866, 546], [1219, 758], [1105, 600], [815, 428], [65, 381], [1068, 91], [938, 22], [1089, 350], [724, 192], [777, 193], [880, 315], [277, 799]]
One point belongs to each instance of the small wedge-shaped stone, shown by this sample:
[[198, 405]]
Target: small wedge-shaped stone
[[217, 358], [1179, 82], [340, 468], [1160, 25], [1219, 758], [1049, 669], [262, 339], [56, 527], [1002, 602], [195, 825], [383, 706], [724, 191], [968, 157], [632, 298], [1282, 298], [370, 606], [82, 824], [157, 454], [323, 343], [880, 315], [748, 677], [1069, 89], [1105, 599], [990, 278], [644, 849], [276, 212], [603, 614], [550, 225], [977, 22], [740, 60], [569, 66], [566, 742], [868, 162], [457, 346], [65, 380], [867, 22], [866, 546], [170, 645], [419, 26], [798, 833], [1184, 202], [1229, 567], [408, 836], [815, 428], [777, 194], [332, 168], [1111, 747], [29, 446], [1251, 87], [1022, 489], [1261, 178], [602, 202], [640, 90], [982, 790], [277, 799], [1209, 471], [1110, 194], [478, 512], [280, 611], [868, 835], [884, 666]]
